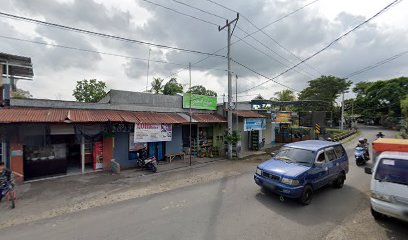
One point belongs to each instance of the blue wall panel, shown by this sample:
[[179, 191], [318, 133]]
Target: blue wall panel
[[121, 151], [176, 144]]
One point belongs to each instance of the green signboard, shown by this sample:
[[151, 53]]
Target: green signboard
[[200, 102]]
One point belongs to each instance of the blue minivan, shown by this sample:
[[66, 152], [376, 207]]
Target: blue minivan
[[300, 168]]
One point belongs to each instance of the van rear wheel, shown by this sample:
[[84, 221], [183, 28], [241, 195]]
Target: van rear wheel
[[307, 195], [339, 182]]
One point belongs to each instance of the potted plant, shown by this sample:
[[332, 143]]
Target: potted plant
[[234, 138]]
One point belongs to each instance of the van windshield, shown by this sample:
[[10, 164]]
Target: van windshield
[[392, 170], [295, 155]]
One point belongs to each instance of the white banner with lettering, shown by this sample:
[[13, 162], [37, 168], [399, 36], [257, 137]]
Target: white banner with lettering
[[152, 132]]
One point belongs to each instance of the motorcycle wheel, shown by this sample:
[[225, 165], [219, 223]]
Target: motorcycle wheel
[[154, 168]]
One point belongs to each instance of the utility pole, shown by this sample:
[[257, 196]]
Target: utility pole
[[228, 26], [189, 69], [148, 66], [236, 101], [342, 112]]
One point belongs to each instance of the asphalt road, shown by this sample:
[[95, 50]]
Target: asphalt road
[[231, 208]]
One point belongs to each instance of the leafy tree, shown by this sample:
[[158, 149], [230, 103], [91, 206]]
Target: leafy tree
[[285, 95], [89, 91], [404, 106], [157, 85], [324, 88], [201, 90], [21, 94], [381, 99], [172, 87]]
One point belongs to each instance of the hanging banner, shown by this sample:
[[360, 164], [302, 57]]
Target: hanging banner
[[254, 124], [200, 102], [152, 132]]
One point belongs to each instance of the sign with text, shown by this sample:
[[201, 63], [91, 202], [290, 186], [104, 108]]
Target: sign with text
[[283, 117], [254, 124], [199, 102], [152, 132]]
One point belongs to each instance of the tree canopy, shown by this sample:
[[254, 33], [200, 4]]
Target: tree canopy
[[89, 91], [172, 87], [325, 88], [157, 85], [21, 94], [201, 90], [381, 98]]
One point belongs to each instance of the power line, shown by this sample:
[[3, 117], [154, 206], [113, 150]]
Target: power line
[[199, 9], [268, 35], [99, 52], [260, 74], [247, 43], [329, 45], [181, 13], [384, 61], [269, 24], [31, 20]]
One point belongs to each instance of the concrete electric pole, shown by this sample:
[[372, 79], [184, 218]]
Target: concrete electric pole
[[228, 26], [342, 112]]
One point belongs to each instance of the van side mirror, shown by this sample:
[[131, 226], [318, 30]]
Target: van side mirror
[[368, 170], [273, 154], [318, 164]]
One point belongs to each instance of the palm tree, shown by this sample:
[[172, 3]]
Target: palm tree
[[157, 86], [284, 95]]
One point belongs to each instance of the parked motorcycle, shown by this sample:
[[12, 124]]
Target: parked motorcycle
[[7, 186], [143, 161], [361, 156]]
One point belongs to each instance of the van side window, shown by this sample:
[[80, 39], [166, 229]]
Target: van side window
[[321, 157], [330, 154], [339, 151]]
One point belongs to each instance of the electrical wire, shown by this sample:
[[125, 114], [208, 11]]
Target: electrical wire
[[329, 45], [268, 35], [104, 35], [267, 25], [377, 64]]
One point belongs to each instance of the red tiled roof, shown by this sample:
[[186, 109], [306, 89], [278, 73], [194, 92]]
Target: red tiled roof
[[248, 114], [208, 118], [14, 115]]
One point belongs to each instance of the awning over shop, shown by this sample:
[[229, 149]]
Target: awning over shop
[[53, 115], [208, 118], [248, 114]]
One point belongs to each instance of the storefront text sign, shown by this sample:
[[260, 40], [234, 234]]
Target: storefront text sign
[[254, 124], [152, 132], [282, 117], [199, 102]]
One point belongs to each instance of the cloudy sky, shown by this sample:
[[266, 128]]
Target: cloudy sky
[[57, 69]]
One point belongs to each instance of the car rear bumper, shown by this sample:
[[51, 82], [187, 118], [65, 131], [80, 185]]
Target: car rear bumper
[[279, 188], [390, 209]]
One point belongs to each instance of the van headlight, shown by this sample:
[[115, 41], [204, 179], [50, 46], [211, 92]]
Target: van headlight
[[289, 181], [380, 196], [258, 171]]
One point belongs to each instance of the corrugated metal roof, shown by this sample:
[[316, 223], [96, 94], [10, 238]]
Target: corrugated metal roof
[[208, 118], [248, 114], [14, 115]]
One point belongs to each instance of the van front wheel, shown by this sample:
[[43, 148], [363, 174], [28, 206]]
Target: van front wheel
[[307, 195]]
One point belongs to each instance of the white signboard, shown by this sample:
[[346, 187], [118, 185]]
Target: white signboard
[[152, 132]]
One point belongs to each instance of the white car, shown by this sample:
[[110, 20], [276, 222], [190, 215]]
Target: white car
[[389, 185]]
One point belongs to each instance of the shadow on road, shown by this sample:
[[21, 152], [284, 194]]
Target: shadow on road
[[328, 205], [395, 229]]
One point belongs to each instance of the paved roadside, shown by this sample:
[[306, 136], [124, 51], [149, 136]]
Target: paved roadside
[[55, 197]]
